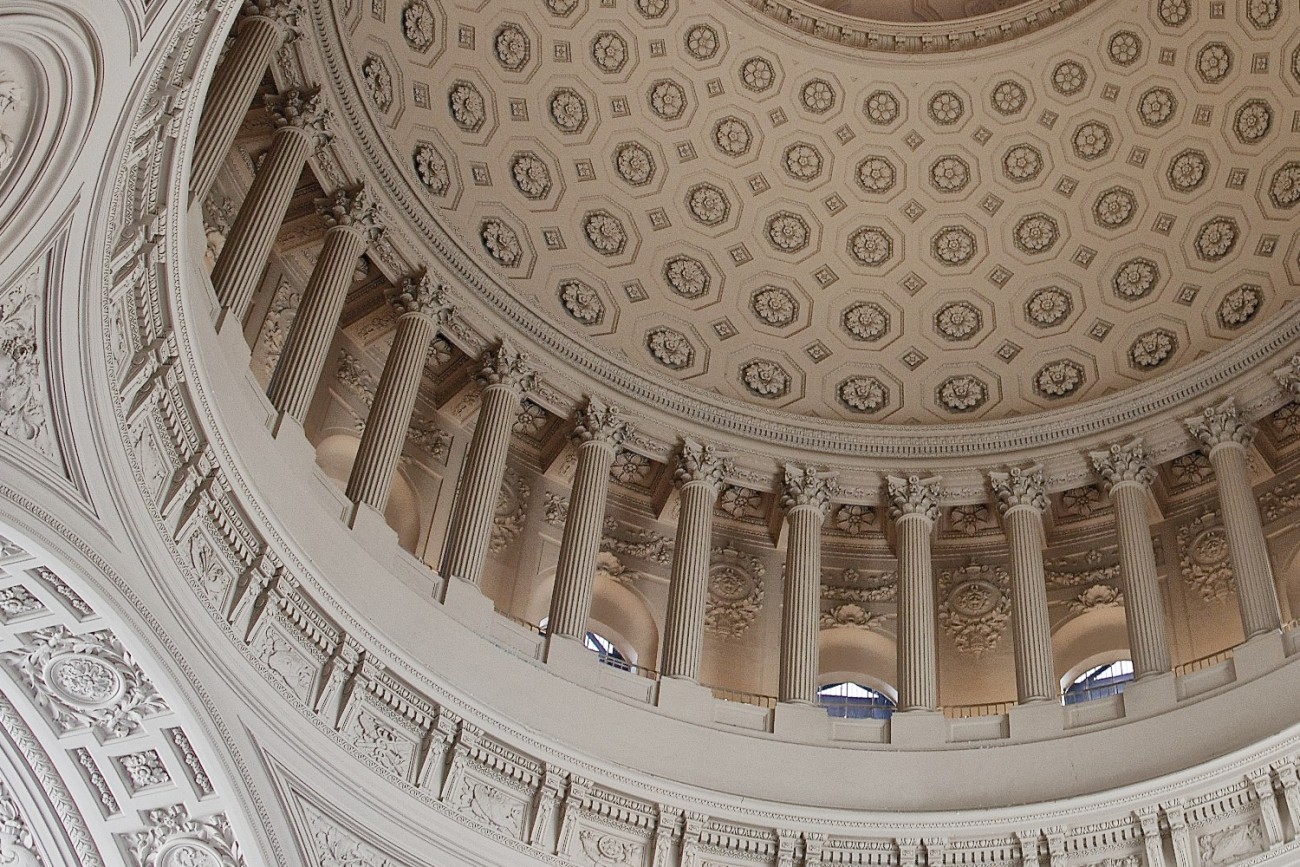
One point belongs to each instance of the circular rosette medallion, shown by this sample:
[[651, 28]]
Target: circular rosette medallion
[[84, 681]]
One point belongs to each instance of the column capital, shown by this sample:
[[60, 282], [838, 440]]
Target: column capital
[[601, 422], [303, 110], [913, 496], [1019, 487], [283, 14], [700, 463], [504, 365], [421, 296], [1220, 425], [1123, 462], [354, 209], [1289, 377], [806, 486]]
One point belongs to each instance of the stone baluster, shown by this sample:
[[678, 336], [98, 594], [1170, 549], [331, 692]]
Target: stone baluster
[[805, 499], [1022, 502], [599, 432], [699, 473], [1127, 475], [506, 376], [353, 225], [263, 27], [421, 306], [1224, 435], [914, 506], [300, 128]]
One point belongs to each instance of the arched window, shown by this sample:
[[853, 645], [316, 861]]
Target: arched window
[[848, 700], [604, 649], [1100, 681]]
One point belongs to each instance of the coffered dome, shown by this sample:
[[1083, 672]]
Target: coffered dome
[[859, 235]]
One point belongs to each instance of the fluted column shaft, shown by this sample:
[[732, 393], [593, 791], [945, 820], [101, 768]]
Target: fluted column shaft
[[575, 573], [805, 500], [801, 610], [480, 483], [305, 349], [1031, 628], [918, 670], [233, 87], [1247, 548], [1224, 435], [1144, 609], [390, 415], [689, 584], [243, 258]]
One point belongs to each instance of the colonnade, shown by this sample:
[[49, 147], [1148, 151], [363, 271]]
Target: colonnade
[[354, 223]]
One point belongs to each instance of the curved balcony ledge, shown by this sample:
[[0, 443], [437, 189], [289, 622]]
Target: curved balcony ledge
[[678, 731]]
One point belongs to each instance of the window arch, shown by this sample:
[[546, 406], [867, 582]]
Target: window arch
[[848, 699], [1099, 681]]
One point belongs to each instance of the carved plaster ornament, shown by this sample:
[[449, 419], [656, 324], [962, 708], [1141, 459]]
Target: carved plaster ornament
[[807, 487], [913, 496], [1123, 462], [1220, 424], [1203, 558], [17, 847], [506, 366], [974, 607], [735, 593], [511, 511], [1288, 377], [85, 681], [698, 462], [601, 422], [1019, 487]]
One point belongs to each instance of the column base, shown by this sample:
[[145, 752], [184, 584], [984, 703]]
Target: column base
[[801, 722], [571, 659], [1036, 720], [1149, 696], [685, 699], [1258, 656], [230, 334], [291, 441], [918, 728], [371, 529], [466, 604]]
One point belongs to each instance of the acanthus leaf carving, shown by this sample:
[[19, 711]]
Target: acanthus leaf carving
[[807, 486], [974, 606], [25, 413], [700, 463], [913, 496], [1019, 487], [85, 681], [1123, 462], [511, 511], [1219, 425], [1203, 558], [174, 838], [735, 592]]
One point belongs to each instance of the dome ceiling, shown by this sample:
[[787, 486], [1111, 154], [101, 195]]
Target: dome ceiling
[[915, 10], [869, 236]]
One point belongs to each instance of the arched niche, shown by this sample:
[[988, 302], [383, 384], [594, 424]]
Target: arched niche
[[1092, 638], [335, 455], [618, 610], [863, 656]]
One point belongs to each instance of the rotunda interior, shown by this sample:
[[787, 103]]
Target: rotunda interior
[[634, 433]]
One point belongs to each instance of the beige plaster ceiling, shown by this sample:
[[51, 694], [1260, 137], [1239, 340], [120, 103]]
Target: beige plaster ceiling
[[915, 10], [860, 234]]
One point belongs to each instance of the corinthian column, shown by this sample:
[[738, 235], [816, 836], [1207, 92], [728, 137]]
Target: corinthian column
[[1022, 502], [1224, 436], [300, 120], [263, 27], [353, 224], [600, 431], [699, 472], [805, 499], [1127, 475], [421, 306], [914, 506], [505, 375]]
